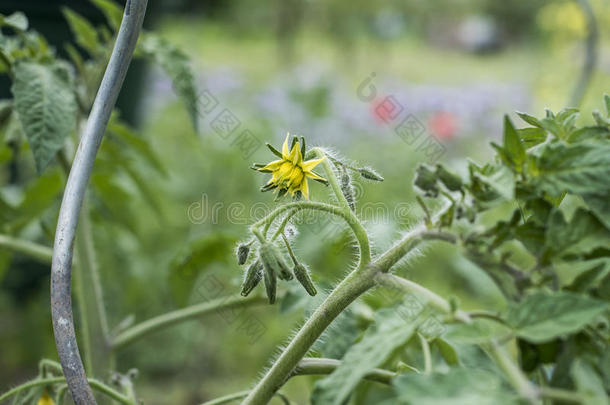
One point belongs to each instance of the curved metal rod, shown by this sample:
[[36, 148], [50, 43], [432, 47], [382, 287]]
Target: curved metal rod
[[61, 268]]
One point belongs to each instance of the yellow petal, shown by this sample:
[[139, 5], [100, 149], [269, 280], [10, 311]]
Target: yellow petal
[[45, 399], [285, 151], [272, 166], [305, 189], [295, 155], [314, 176], [310, 164]]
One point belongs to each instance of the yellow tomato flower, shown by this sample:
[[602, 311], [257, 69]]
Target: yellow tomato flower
[[45, 399], [290, 172]]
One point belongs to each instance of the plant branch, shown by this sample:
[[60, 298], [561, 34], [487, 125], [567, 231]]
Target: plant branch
[[61, 302], [171, 318], [352, 219], [516, 377], [322, 366], [97, 385], [355, 284], [431, 298], [562, 395], [39, 252]]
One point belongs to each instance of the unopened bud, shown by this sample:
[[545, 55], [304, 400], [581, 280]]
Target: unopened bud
[[452, 181], [253, 276], [302, 275], [284, 272], [348, 190], [270, 265], [242, 253], [370, 174]]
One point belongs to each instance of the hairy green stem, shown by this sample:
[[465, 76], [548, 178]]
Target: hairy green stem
[[352, 219], [39, 252], [344, 294], [171, 318], [431, 298], [322, 366], [239, 395], [515, 376], [95, 384]]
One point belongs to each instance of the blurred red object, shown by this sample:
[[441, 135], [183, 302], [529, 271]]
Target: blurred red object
[[444, 125]]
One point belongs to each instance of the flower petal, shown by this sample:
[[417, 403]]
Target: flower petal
[[305, 189], [285, 150], [271, 166], [314, 176], [310, 164]]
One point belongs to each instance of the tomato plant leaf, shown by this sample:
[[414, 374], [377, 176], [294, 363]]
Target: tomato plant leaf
[[541, 317], [389, 332], [176, 64], [457, 387], [46, 106]]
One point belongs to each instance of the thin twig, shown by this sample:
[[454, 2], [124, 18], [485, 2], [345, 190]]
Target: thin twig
[[184, 314], [61, 270]]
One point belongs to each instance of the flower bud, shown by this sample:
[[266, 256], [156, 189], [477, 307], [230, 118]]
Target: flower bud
[[452, 181], [242, 253], [253, 276], [284, 272], [270, 267], [370, 174], [302, 275], [348, 190]]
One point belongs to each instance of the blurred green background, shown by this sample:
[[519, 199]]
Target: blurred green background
[[278, 66]]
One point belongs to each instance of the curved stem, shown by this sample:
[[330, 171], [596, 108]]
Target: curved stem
[[321, 366], [97, 385], [39, 252], [283, 224], [515, 376], [352, 219], [314, 366], [355, 284], [61, 302], [385, 262], [562, 395], [162, 321], [425, 347], [238, 395], [592, 40], [431, 298]]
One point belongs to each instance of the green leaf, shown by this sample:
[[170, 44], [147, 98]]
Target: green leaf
[[425, 180], [84, 33], [582, 169], [589, 133], [458, 387], [531, 137], [17, 21], [389, 332], [607, 104], [111, 10], [530, 119], [176, 64], [46, 105], [513, 149], [196, 258], [581, 235], [447, 351], [541, 317], [588, 383]]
